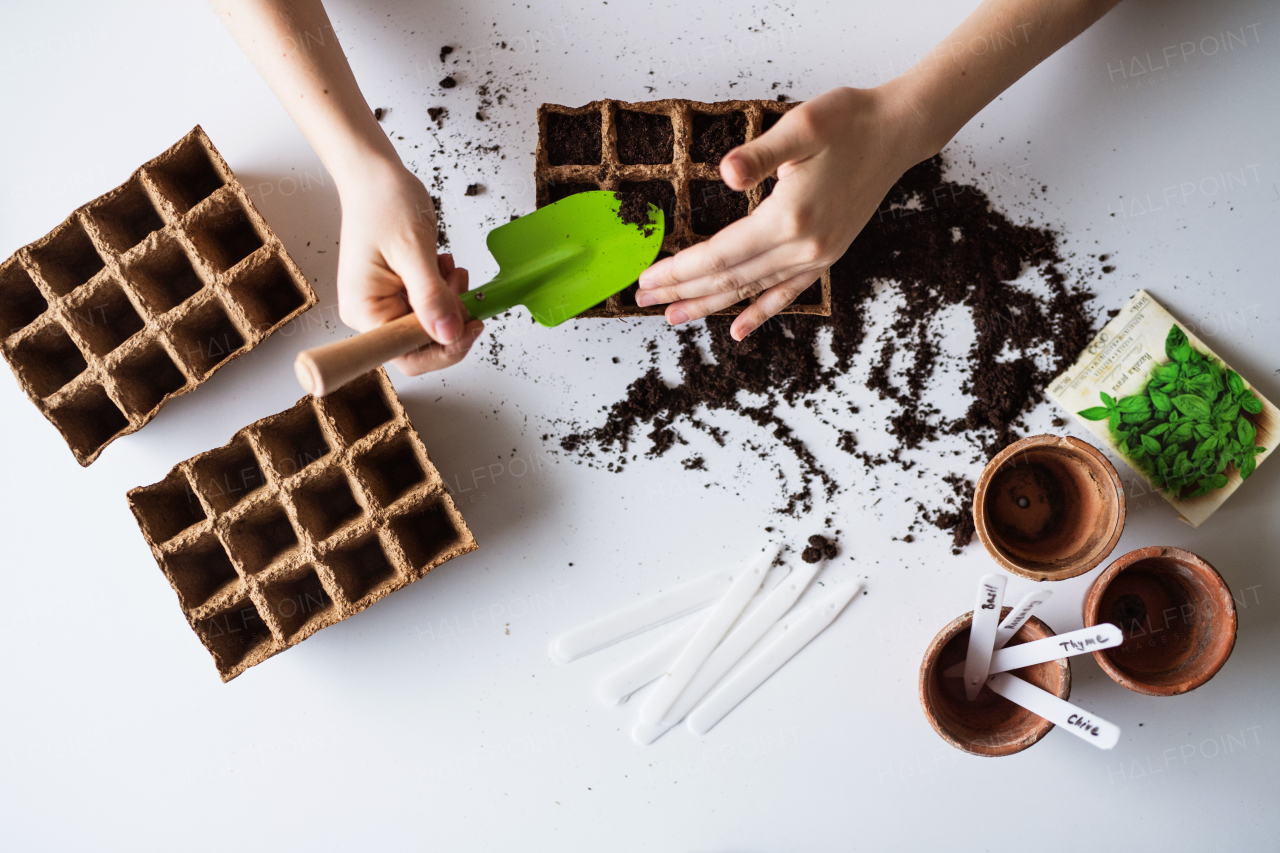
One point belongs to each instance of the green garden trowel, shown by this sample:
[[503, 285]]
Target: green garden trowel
[[557, 261]]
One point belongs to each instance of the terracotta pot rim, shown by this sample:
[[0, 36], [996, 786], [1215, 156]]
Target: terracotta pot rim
[[1093, 601], [1047, 440], [929, 662]]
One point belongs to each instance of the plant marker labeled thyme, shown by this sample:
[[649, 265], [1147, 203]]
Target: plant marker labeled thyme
[[1191, 426], [1078, 642], [982, 633]]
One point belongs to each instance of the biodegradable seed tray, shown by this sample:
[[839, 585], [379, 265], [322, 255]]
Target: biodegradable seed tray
[[660, 149], [142, 294], [303, 519]]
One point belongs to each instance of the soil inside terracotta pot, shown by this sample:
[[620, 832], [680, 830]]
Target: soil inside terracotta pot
[[1166, 617], [990, 721]]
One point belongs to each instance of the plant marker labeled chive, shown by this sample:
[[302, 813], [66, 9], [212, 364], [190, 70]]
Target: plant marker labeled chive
[[1011, 625], [1063, 714], [1094, 639], [982, 633], [797, 631], [740, 641], [640, 617], [618, 685], [746, 581]]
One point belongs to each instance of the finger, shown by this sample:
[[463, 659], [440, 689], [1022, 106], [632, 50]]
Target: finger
[[740, 241], [695, 309], [440, 356], [446, 264], [459, 280], [430, 296], [777, 259], [791, 139], [771, 302]]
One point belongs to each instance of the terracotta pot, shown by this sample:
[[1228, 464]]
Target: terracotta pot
[[990, 725], [1049, 507], [1177, 616]]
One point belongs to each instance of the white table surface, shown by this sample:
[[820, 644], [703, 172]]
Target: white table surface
[[435, 720]]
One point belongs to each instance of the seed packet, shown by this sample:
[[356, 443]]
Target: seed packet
[[1188, 424]]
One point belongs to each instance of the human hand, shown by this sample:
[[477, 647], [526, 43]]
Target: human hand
[[836, 157], [388, 265]]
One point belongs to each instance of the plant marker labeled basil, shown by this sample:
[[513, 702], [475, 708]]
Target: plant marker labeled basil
[[1101, 636], [982, 633], [745, 583], [1011, 625], [1063, 714]]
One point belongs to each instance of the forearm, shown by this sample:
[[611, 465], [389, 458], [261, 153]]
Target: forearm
[[295, 48], [990, 51]]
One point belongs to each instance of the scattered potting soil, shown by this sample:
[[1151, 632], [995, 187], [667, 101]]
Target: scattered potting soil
[[448, 82], [380, 113], [644, 138], [445, 51], [474, 189], [819, 547], [939, 244], [574, 140], [716, 135]]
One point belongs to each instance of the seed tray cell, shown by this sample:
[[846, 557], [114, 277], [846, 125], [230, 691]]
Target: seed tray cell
[[658, 147], [266, 540], [144, 293]]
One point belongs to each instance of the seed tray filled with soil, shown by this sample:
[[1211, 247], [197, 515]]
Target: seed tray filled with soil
[[669, 152], [303, 519], [142, 294]]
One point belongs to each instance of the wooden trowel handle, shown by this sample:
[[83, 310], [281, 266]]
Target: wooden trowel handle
[[325, 369]]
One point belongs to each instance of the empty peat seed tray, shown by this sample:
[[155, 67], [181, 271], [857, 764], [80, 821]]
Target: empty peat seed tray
[[303, 519], [1177, 615], [990, 725], [1049, 507], [669, 153], [142, 294]]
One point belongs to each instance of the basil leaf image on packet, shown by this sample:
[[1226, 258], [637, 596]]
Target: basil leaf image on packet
[[1188, 424]]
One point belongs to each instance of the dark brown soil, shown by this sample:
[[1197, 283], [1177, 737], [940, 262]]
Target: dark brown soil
[[714, 206], [448, 82], [573, 140], [819, 547], [716, 135], [644, 138], [658, 193], [634, 210], [474, 189], [940, 244]]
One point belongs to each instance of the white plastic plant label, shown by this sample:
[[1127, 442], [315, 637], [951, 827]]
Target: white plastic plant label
[[1187, 423]]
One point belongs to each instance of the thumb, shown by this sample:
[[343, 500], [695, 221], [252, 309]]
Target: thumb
[[747, 165], [432, 299]]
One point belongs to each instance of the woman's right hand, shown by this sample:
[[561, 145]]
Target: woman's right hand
[[388, 265]]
